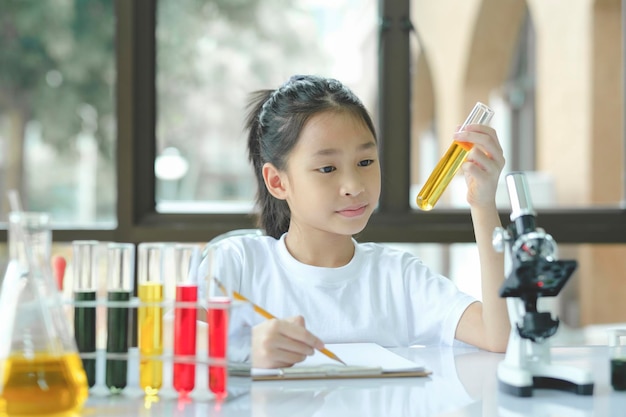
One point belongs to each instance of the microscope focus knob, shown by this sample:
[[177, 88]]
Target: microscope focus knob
[[499, 238]]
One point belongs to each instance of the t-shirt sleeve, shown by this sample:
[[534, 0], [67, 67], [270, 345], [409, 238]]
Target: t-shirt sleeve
[[435, 305]]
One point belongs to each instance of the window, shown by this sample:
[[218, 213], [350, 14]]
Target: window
[[212, 55], [564, 127], [403, 68], [57, 112]]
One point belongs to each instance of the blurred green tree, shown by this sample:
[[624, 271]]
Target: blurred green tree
[[56, 60]]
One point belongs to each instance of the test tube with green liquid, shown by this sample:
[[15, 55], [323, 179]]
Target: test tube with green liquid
[[150, 316], [451, 161], [85, 274], [617, 353], [120, 283]]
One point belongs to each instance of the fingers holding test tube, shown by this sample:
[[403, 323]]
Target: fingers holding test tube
[[483, 165], [453, 159]]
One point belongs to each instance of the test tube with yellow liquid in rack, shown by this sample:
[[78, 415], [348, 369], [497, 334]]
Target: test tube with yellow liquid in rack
[[150, 316], [452, 160]]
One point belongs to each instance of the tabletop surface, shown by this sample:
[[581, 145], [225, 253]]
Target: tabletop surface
[[463, 383]]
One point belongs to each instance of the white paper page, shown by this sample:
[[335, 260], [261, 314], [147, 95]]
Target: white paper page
[[354, 354]]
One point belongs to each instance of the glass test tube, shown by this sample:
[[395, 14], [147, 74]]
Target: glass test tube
[[217, 317], [120, 283], [150, 316], [452, 160], [617, 352], [85, 273], [185, 314], [218, 303]]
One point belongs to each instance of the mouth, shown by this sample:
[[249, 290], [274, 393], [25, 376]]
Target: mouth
[[353, 211]]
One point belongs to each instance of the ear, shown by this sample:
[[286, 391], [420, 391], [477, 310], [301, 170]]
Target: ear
[[274, 181]]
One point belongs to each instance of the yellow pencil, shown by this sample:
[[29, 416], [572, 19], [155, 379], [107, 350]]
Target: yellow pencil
[[268, 315]]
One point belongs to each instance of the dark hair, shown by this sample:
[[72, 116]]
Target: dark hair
[[274, 122]]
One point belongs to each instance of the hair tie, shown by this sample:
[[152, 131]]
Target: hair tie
[[296, 77]]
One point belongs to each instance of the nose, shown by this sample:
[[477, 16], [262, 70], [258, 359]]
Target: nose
[[352, 183]]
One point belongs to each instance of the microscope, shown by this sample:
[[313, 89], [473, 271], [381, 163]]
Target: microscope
[[533, 271]]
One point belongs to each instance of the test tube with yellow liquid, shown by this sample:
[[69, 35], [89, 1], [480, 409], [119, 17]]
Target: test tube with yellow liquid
[[451, 161], [150, 316]]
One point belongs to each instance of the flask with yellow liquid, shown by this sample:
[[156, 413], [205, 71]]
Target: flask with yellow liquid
[[41, 372], [451, 161]]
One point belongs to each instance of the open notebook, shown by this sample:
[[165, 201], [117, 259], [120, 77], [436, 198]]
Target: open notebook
[[364, 360]]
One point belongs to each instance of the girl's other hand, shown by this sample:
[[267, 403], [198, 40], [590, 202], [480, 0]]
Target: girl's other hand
[[281, 343]]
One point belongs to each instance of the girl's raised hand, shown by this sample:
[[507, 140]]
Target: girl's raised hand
[[483, 165]]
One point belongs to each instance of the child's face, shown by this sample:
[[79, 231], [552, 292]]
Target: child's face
[[333, 175]]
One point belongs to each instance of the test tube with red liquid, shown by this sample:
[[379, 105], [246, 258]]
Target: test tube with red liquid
[[217, 317], [218, 298], [185, 314]]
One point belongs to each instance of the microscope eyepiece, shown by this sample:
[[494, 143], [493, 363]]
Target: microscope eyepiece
[[521, 203], [522, 212]]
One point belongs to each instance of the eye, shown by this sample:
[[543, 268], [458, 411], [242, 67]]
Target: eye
[[366, 162], [327, 170]]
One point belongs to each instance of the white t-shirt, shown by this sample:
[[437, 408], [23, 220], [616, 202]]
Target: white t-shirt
[[383, 295]]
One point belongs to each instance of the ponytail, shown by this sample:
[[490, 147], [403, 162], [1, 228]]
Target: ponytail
[[274, 214]]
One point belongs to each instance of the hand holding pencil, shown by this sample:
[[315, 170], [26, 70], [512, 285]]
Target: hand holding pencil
[[289, 337]]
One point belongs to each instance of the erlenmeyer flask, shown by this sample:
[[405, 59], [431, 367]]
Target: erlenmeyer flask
[[40, 369]]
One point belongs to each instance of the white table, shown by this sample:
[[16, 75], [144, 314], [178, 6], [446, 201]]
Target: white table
[[463, 383]]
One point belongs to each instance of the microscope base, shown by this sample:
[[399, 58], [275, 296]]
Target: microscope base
[[521, 382]]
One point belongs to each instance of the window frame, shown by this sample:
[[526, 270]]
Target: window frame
[[395, 220]]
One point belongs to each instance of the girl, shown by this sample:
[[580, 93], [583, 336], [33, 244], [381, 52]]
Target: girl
[[314, 151]]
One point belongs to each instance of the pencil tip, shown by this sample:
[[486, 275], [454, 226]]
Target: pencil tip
[[335, 357]]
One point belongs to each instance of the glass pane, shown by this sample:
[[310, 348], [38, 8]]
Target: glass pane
[[57, 113], [211, 55], [558, 107]]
